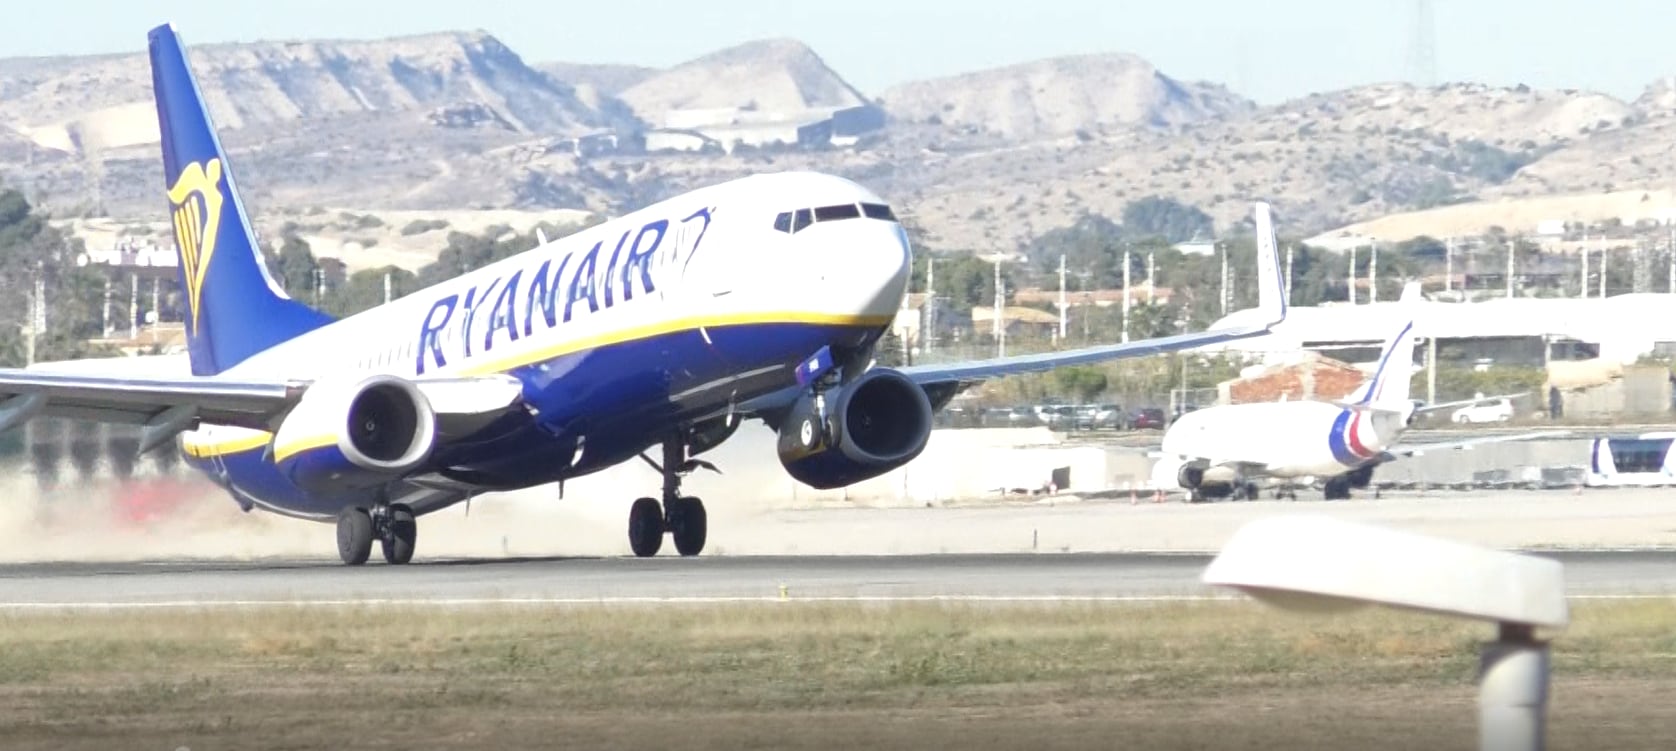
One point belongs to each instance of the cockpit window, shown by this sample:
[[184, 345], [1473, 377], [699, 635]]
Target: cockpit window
[[835, 213], [795, 221]]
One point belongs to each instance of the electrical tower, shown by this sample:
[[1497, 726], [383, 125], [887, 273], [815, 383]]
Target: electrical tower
[[1422, 46]]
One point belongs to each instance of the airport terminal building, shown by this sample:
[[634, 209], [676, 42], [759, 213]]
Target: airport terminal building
[[1518, 331]]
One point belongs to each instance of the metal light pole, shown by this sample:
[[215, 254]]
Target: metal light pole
[[1125, 295]]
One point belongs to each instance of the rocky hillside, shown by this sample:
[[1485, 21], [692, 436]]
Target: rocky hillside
[[1062, 95], [981, 161], [606, 78], [776, 75], [465, 79]]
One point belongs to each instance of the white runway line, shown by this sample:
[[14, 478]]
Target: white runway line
[[741, 600]]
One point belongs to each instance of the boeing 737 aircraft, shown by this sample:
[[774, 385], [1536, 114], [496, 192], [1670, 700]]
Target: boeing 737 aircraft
[[1222, 450], [760, 298]]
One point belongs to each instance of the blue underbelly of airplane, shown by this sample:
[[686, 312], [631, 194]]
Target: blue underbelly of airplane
[[591, 410]]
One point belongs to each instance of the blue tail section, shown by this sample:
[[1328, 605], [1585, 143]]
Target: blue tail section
[[234, 308]]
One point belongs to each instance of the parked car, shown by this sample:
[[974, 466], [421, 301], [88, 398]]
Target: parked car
[[1108, 417], [1492, 410], [1147, 418]]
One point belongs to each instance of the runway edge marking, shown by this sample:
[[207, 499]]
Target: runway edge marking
[[494, 601]]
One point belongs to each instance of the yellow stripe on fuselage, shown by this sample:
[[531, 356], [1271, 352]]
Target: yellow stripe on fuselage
[[208, 449], [283, 451]]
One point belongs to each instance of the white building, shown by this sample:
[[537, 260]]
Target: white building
[[1520, 330]]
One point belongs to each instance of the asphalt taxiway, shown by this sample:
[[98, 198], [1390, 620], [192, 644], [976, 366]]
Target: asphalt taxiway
[[1017, 577]]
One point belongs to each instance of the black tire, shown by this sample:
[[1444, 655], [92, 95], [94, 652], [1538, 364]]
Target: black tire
[[401, 534], [645, 527], [354, 536], [689, 526]]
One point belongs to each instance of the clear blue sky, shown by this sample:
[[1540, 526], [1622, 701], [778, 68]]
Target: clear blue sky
[[1269, 51]]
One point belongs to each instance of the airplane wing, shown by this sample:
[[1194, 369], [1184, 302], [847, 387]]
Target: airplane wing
[[1465, 402], [1271, 307], [1416, 449], [141, 400], [168, 404]]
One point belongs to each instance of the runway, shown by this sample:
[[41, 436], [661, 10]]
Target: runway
[[462, 582]]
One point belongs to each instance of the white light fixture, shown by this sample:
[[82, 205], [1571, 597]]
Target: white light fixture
[[1318, 564]]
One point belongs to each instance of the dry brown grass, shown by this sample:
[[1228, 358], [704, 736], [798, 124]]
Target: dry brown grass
[[1209, 675]]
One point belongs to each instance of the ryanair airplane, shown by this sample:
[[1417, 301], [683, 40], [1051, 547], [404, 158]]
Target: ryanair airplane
[[652, 335]]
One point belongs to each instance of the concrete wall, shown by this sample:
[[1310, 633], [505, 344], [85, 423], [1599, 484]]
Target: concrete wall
[[1640, 391]]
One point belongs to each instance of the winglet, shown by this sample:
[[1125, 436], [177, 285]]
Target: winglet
[[1271, 292]]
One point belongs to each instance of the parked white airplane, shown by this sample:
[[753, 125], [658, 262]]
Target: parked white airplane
[[759, 298], [1223, 450]]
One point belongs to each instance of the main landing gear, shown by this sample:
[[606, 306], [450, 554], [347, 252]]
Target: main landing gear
[[392, 524], [683, 517]]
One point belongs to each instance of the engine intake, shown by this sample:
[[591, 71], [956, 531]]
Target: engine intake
[[355, 435], [878, 422]]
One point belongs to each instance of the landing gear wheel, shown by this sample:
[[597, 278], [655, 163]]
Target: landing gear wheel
[[401, 531], [688, 524], [809, 433], [354, 536], [645, 527]]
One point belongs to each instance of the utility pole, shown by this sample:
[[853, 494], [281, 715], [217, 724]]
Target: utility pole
[[1126, 295], [387, 288], [1448, 264], [1603, 251], [156, 300], [1373, 271], [1152, 276], [1512, 250], [1351, 277], [134, 306], [1062, 306], [930, 334], [106, 310], [1224, 279], [1000, 328], [1583, 288], [1431, 370], [37, 316]]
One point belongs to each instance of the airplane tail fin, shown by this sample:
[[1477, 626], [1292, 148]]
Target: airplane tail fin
[[1272, 288], [1389, 383], [234, 308]]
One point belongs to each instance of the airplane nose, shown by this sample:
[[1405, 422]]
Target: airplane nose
[[869, 266]]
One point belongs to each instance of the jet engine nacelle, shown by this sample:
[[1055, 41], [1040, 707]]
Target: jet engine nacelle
[[349, 435], [874, 424]]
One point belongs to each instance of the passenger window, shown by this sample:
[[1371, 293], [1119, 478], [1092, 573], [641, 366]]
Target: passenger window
[[783, 222], [801, 219], [835, 213], [878, 211]]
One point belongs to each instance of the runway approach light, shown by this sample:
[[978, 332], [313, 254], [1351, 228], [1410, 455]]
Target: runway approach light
[[1323, 565]]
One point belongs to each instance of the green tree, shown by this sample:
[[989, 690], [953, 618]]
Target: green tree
[[1167, 218], [295, 266], [963, 280], [1080, 382]]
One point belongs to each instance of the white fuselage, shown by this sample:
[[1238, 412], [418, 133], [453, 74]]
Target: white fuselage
[[1280, 439]]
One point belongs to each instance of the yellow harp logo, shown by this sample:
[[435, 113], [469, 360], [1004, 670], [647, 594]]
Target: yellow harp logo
[[196, 197]]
